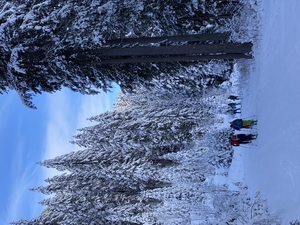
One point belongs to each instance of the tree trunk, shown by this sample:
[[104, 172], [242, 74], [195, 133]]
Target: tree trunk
[[144, 54], [177, 38], [181, 53], [169, 50], [183, 58]]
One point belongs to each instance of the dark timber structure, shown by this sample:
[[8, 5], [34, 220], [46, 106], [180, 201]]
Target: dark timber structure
[[181, 48]]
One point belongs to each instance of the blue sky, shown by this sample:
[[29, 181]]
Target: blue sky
[[29, 136]]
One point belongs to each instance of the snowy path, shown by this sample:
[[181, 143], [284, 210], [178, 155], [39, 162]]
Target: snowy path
[[273, 95]]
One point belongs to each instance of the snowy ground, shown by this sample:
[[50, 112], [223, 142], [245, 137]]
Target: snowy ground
[[272, 93]]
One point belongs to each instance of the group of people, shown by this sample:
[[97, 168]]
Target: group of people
[[238, 124], [238, 139], [234, 107]]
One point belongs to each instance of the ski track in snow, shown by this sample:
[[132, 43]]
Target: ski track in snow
[[272, 165]]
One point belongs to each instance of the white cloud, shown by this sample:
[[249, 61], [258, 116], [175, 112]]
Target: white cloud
[[92, 106], [20, 200], [17, 190], [59, 126], [59, 129]]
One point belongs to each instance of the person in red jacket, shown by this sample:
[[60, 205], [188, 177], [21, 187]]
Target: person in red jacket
[[234, 143], [237, 139]]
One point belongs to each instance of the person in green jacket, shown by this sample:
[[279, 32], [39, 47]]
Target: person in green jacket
[[237, 124]]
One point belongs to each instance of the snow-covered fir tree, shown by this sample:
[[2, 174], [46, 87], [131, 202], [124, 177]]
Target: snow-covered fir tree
[[123, 159], [47, 45]]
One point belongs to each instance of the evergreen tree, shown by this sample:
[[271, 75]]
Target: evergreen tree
[[123, 160], [47, 45]]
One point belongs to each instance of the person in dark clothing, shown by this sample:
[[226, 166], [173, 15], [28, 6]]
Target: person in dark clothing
[[233, 97], [237, 124], [234, 111], [233, 105], [243, 137], [237, 139]]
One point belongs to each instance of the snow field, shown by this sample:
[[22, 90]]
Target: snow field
[[272, 94]]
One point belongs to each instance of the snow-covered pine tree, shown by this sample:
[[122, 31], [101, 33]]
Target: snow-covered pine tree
[[123, 159], [47, 45], [148, 121]]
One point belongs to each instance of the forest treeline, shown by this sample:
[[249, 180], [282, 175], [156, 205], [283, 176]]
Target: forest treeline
[[131, 161], [152, 160]]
